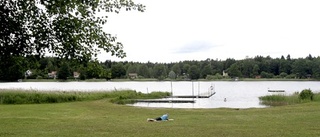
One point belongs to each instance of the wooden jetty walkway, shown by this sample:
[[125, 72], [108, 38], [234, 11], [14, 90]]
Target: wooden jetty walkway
[[164, 101], [168, 100], [175, 100]]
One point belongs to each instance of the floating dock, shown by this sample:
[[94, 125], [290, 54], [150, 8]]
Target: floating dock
[[193, 96], [276, 90], [165, 101]]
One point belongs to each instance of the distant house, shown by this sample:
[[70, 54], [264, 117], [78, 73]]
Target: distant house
[[133, 75], [53, 74], [308, 76], [224, 74], [76, 74], [27, 73]]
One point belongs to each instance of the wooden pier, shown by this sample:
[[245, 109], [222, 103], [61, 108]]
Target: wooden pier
[[173, 99], [165, 101], [168, 100]]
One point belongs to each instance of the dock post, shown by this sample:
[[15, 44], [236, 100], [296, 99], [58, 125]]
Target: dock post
[[171, 89], [192, 89], [198, 89]]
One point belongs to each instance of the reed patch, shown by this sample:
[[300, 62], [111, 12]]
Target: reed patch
[[305, 95], [39, 97]]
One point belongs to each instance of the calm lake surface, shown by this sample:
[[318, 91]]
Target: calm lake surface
[[238, 94]]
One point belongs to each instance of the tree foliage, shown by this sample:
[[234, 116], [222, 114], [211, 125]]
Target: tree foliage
[[164, 71], [70, 29], [194, 72], [159, 71], [206, 70], [234, 70], [64, 71], [143, 71], [176, 69], [118, 71], [172, 75]]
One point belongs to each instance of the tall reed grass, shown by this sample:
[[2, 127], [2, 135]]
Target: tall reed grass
[[38, 97], [279, 100]]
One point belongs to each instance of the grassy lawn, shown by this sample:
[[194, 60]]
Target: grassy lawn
[[102, 118]]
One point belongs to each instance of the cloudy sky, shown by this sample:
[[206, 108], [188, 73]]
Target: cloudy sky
[[177, 30]]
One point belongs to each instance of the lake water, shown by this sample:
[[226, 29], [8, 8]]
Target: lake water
[[238, 94]]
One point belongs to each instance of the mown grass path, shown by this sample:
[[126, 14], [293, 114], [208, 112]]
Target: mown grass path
[[102, 118]]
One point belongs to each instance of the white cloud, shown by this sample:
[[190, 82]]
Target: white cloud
[[195, 47], [217, 29]]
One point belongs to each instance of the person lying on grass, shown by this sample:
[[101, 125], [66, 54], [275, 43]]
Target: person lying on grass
[[164, 117]]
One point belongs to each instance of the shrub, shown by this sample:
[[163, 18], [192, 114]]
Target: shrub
[[213, 77], [306, 94], [209, 77], [283, 75], [291, 76], [266, 75]]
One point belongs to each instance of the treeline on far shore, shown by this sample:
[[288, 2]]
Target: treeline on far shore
[[258, 67]]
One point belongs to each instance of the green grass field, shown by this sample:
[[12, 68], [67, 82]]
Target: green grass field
[[102, 118]]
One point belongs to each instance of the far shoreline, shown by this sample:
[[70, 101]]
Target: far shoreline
[[156, 80]]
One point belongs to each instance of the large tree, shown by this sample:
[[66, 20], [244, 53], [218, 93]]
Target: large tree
[[207, 70], [64, 71], [118, 70], [143, 71], [159, 71], [70, 29], [194, 72], [176, 69], [234, 70]]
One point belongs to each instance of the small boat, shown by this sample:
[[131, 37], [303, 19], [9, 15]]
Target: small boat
[[270, 90]]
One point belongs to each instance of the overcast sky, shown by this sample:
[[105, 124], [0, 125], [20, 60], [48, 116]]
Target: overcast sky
[[178, 30]]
